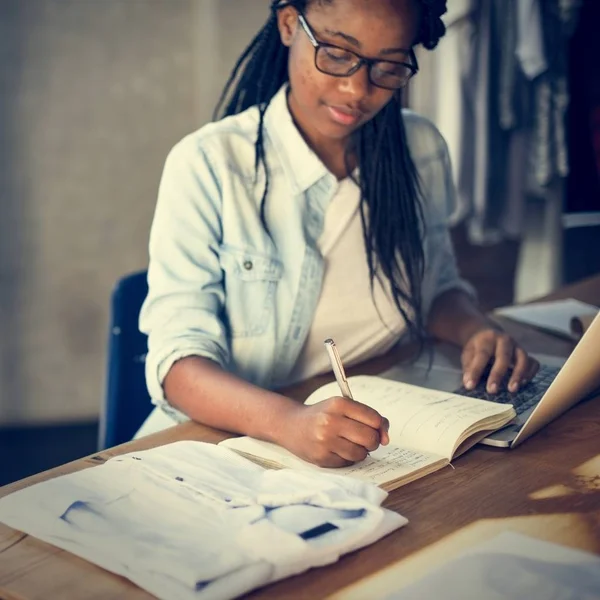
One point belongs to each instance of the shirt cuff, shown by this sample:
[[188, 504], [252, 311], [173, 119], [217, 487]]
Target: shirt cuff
[[458, 284]]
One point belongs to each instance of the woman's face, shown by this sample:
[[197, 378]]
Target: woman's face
[[328, 108]]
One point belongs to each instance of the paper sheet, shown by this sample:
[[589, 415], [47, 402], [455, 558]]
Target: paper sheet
[[554, 317], [510, 567]]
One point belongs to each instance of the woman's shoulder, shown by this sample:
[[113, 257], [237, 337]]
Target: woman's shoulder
[[229, 140], [430, 155], [424, 138]]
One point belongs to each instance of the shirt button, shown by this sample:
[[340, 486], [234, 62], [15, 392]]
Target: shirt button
[[248, 265]]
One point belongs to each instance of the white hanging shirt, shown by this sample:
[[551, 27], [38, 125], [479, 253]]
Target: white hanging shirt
[[362, 324]]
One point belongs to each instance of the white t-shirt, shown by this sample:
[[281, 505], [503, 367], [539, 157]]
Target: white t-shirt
[[363, 324]]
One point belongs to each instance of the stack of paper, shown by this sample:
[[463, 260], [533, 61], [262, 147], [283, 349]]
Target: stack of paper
[[191, 520], [567, 318]]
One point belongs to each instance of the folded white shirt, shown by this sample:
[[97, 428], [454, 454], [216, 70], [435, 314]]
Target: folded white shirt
[[196, 521]]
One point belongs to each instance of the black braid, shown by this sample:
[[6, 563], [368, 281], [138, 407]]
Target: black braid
[[388, 173], [391, 210], [264, 65]]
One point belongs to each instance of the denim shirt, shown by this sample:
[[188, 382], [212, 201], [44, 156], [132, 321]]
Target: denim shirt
[[222, 287]]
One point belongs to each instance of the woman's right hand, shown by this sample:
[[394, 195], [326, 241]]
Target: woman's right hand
[[336, 432]]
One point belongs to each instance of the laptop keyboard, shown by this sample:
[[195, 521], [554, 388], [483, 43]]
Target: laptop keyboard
[[522, 400]]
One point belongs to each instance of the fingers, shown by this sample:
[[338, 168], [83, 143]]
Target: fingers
[[348, 452], [531, 371], [332, 460], [524, 367], [504, 354], [367, 416], [343, 442], [524, 371], [357, 440], [357, 412], [360, 434], [384, 432], [520, 370], [475, 359], [339, 439], [503, 359]]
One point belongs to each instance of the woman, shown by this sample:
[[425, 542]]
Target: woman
[[314, 208]]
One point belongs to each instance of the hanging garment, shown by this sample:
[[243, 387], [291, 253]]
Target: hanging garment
[[498, 93]]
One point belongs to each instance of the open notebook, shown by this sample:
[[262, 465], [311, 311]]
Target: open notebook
[[428, 428]]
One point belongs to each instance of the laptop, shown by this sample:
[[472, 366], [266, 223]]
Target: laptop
[[559, 385]]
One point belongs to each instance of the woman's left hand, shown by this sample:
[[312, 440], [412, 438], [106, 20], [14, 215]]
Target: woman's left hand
[[495, 348]]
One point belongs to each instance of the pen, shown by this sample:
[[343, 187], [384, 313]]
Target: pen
[[338, 368]]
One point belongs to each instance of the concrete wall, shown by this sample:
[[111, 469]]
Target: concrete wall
[[93, 93]]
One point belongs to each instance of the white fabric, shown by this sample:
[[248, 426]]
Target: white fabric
[[454, 88], [195, 521], [346, 294], [437, 91], [530, 38]]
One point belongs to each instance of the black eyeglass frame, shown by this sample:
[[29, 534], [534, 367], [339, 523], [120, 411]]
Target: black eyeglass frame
[[362, 60]]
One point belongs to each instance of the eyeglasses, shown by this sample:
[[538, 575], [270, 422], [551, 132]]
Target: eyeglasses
[[339, 62]]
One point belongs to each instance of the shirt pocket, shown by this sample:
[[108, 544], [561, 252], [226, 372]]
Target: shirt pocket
[[250, 283]]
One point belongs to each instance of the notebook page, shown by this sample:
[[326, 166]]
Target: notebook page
[[386, 464], [427, 420]]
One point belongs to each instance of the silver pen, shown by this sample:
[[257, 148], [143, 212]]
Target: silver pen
[[338, 368]]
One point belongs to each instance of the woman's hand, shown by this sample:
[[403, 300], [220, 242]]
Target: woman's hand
[[336, 432], [490, 346], [455, 318]]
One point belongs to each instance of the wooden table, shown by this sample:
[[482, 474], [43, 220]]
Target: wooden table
[[549, 488]]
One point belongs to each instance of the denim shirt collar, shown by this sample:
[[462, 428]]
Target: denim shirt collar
[[302, 167]]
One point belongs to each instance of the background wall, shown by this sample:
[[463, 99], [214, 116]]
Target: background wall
[[93, 94]]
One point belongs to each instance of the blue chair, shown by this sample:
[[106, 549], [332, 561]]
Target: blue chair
[[127, 402]]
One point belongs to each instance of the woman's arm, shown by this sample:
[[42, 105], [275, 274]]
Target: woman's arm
[[333, 433], [206, 393], [452, 313], [454, 317]]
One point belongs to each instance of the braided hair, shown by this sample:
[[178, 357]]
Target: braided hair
[[391, 210]]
